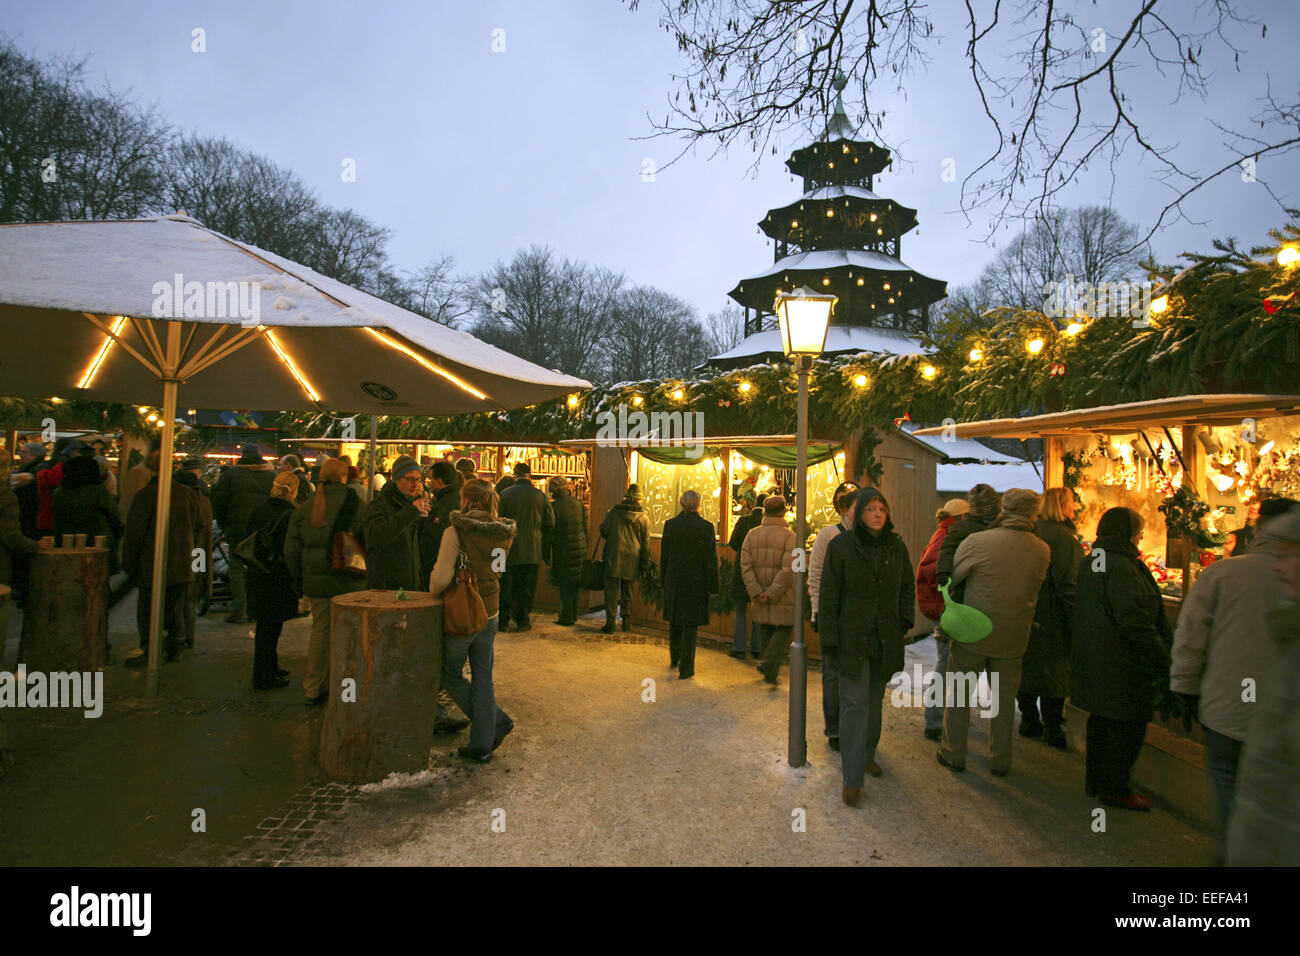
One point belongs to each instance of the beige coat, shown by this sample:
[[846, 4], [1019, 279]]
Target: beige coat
[[1003, 568], [765, 567]]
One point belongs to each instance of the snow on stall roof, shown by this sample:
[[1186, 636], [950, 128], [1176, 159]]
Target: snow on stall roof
[[823, 259], [112, 267], [962, 449], [957, 480], [839, 338]]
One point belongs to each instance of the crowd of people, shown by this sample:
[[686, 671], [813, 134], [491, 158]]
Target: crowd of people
[[1064, 617]]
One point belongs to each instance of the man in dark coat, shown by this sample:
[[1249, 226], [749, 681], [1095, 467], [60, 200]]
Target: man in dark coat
[[184, 528], [985, 503], [739, 595], [239, 490], [626, 531], [565, 547], [31, 461], [526, 505], [201, 585], [397, 521], [445, 484], [688, 567], [292, 463]]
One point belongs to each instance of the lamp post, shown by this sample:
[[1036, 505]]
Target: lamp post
[[803, 316]]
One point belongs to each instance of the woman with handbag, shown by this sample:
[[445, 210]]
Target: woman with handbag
[[319, 569], [271, 596], [564, 547], [466, 583]]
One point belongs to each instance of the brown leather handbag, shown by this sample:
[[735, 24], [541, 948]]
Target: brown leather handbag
[[347, 553], [463, 613]]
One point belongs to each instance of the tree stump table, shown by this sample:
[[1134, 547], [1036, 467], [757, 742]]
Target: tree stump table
[[385, 665], [65, 621]]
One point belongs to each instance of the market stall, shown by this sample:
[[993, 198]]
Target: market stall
[[1191, 466]]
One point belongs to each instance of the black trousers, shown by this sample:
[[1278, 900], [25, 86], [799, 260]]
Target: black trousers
[[1113, 748], [174, 596], [1052, 715], [616, 590], [266, 646], [681, 648], [568, 604], [518, 585]]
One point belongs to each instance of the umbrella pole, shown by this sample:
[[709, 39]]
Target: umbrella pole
[[374, 431], [161, 523]]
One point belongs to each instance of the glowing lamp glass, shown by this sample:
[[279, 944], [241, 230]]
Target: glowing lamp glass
[[804, 316]]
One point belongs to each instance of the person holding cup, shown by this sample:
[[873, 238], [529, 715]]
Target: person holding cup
[[399, 532]]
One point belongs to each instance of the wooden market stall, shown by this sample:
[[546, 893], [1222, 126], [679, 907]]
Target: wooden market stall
[[729, 471], [1205, 458]]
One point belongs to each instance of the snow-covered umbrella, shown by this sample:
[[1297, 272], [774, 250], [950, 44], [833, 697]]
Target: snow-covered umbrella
[[116, 311]]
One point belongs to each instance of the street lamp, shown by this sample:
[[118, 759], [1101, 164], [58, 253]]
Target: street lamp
[[803, 316]]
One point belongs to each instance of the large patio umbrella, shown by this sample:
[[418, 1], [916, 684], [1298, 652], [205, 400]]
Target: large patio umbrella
[[117, 311]]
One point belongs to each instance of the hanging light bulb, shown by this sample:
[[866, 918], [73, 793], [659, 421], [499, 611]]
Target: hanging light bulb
[[929, 372], [637, 400], [873, 217], [861, 281], [860, 381], [745, 387], [677, 394], [1074, 328], [1035, 346], [1288, 256], [976, 354], [1159, 304], [886, 286]]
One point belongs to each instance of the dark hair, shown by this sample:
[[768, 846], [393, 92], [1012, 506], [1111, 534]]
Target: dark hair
[[522, 469], [1120, 523], [849, 498], [758, 503], [864, 497], [1272, 507], [837, 499], [444, 471]]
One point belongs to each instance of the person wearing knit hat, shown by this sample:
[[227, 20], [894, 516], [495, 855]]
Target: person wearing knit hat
[[1119, 654], [271, 596], [1224, 638], [399, 531], [249, 455], [930, 600], [983, 504], [1003, 569]]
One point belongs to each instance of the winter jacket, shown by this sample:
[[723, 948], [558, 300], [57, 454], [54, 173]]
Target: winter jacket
[[444, 501], [394, 533], [1263, 830], [626, 531], [184, 528], [688, 568], [1003, 569], [1120, 649], [12, 539], [927, 585], [88, 510], [566, 544], [271, 597], [47, 480], [817, 558], [866, 599], [1046, 666], [309, 550], [479, 536], [204, 504], [1224, 637], [130, 485], [526, 505], [951, 542], [29, 499], [766, 559], [239, 490], [744, 525]]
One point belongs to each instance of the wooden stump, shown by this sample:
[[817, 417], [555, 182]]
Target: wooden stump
[[385, 665], [65, 622]]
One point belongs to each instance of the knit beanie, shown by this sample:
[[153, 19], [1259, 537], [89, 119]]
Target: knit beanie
[[1119, 523], [1021, 502], [404, 465], [249, 455], [633, 492], [983, 500]]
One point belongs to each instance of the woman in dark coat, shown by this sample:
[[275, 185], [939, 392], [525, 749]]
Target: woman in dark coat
[[271, 597], [564, 547], [739, 594], [82, 505], [688, 567], [1045, 667], [1120, 652], [868, 590]]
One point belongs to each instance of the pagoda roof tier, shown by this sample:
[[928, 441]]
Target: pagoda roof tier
[[838, 160], [857, 276], [840, 340], [834, 215]]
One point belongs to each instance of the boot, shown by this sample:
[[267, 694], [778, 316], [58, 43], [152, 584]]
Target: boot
[[609, 624]]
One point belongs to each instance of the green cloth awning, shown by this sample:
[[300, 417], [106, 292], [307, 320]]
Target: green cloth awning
[[774, 456]]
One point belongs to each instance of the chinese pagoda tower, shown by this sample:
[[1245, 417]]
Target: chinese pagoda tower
[[842, 238]]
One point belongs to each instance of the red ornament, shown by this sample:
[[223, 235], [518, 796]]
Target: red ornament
[[1275, 302], [1058, 368], [907, 417]]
